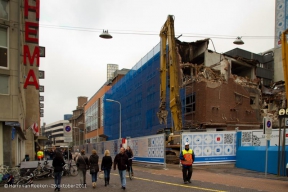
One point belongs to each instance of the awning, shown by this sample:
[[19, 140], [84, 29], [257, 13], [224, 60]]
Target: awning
[[40, 137], [17, 126]]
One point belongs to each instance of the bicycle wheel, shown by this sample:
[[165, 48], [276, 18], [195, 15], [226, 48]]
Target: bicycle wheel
[[73, 171], [21, 182]]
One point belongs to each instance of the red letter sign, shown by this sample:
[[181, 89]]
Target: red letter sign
[[30, 31], [28, 82], [31, 59], [31, 8]]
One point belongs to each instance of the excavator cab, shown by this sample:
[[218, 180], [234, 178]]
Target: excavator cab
[[166, 131]]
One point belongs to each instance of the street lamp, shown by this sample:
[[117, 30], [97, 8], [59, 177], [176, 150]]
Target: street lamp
[[238, 41], [97, 128], [105, 35], [111, 100]]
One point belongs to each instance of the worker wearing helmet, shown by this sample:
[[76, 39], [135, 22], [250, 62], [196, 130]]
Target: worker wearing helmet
[[187, 157], [40, 155]]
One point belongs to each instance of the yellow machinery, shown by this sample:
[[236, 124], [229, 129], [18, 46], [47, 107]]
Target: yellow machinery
[[171, 68], [284, 42]]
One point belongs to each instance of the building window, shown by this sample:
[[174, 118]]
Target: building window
[[190, 103], [252, 100], [4, 9], [3, 47], [4, 82]]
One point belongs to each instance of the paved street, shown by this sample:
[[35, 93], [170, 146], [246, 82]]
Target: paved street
[[170, 179]]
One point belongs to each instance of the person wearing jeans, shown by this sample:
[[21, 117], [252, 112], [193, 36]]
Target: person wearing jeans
[[106, 165], [58, 163], [121, 160], [82, 164], [94, 167]]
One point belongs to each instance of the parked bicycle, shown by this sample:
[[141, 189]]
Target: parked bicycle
[[69, 170], [9, 175], [27, 179], [43, 171]]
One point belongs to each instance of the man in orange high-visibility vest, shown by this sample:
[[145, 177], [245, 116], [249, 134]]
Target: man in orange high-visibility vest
[[187, 157], [40, 155]]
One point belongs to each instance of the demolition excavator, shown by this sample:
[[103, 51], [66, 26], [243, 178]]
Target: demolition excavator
[[170, 69]]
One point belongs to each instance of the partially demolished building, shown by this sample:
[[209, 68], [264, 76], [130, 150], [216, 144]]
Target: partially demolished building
[[219, 92], [226, 91]]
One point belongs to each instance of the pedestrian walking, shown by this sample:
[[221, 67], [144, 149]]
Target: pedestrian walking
[[121, 160], [129, 153], [58, 163], [77, 154], [106, 166], [187, 157], [52, 153], [94, 167], [82, 165]]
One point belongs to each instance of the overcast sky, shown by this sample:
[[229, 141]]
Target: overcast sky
[[76, 58]]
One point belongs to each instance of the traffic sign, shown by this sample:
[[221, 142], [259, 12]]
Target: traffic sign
[[267, 122], [67, 128]]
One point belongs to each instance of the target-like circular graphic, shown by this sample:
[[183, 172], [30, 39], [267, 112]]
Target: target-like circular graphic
[[228, 150], [197, 140], [280, 6], [157, 152], [161, 142], [157, 141], [280, 15], [218, 150], [218, 139], [208, 139], [197, 151], [207, 151], [186, 139]]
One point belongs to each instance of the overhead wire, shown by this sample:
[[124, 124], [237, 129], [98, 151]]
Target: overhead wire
[[135, 32]]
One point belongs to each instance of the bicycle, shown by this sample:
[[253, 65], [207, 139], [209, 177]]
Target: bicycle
[[70, 169], [130, 169]]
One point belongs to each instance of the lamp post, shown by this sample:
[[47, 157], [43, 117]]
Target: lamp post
[[111, 100], [97, 140]]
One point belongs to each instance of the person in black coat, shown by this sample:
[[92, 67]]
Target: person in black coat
[[94, 167], [106, 166], [82, 165], [129, 153], [121, 160], [58, 163]]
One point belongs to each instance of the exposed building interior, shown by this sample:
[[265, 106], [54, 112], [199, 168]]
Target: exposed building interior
[[225, 91]]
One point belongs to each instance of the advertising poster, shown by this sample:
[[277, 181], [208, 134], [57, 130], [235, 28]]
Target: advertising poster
[[257, 138], [148, 149], [211, 146]]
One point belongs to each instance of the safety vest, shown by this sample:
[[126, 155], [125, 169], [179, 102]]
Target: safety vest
[[40, 154], [187, 156]]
